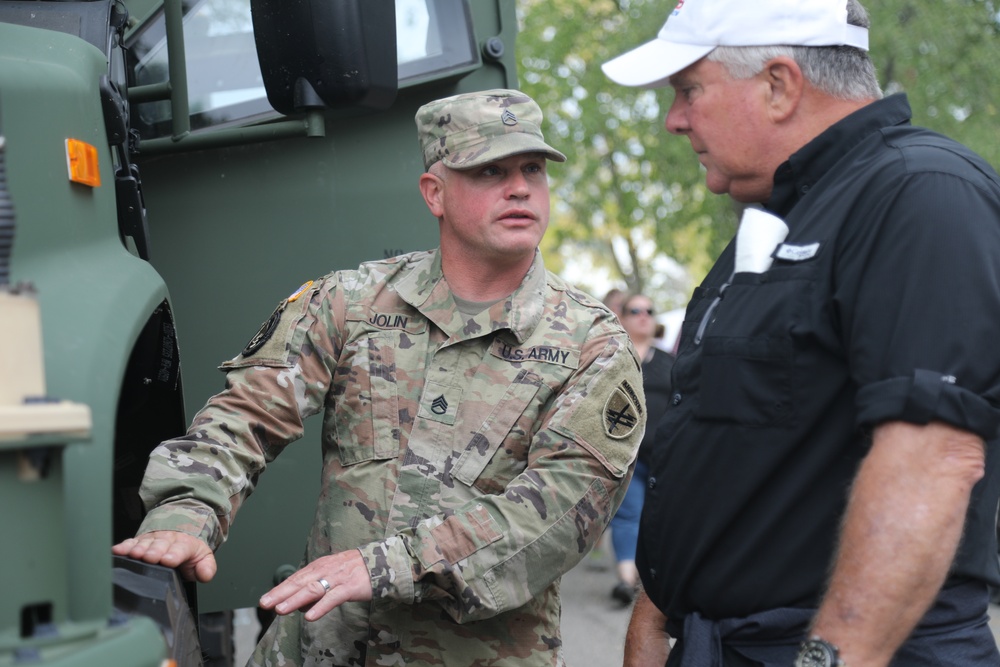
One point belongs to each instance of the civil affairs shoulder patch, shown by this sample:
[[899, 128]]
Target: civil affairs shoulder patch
[[622, 411]]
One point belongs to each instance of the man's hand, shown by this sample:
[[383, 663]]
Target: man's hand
[[186, 553], [345, 574], [647, 643]]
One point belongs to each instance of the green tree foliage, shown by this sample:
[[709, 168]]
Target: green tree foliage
[[631, 204], [944, 55]]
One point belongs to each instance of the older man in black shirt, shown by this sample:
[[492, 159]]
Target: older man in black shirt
[[827, 483]]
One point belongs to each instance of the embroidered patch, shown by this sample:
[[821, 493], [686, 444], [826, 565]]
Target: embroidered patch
[[266, 330], [297, 293], [439, 405], [545, 353], [389, 321], [796, 253], [622, 411]]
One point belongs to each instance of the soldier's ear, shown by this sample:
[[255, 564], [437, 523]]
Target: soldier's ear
[[432, 190]]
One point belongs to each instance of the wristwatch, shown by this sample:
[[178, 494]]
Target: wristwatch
[[817, 652]]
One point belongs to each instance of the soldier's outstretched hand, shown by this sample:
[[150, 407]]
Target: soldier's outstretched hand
[[322, 585], [186, 553]]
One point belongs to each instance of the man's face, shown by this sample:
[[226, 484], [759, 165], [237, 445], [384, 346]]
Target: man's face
[[726, 122], [496, 212]]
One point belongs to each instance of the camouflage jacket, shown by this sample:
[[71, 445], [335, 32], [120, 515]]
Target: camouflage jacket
[[472, 461]]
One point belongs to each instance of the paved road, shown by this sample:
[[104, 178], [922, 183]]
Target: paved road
[[593, 624]]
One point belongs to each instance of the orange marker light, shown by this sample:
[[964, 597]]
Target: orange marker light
[[81, 158]]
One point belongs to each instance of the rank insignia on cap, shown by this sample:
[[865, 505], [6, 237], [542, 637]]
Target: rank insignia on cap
[[508, 117], [622, 411], [266, 330]]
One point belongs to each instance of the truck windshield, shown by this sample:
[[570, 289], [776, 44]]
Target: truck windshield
[[224, 80]]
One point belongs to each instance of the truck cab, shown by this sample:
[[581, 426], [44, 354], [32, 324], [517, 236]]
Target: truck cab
[[174, 169]]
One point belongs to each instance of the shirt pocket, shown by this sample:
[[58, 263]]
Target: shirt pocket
[[746, 381], [508, 423], [366, 418], [748, 374]]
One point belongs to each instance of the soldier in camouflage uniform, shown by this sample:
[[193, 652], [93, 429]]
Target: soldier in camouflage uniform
[[480, 420]]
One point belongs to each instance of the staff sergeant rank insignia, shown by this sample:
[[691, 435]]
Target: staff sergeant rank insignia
[[622, 411]]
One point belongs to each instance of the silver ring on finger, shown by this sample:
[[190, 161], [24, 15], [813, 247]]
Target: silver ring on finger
[[325, 584]]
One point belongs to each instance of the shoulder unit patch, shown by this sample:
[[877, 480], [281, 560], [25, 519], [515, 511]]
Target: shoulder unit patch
[[266, 330], [622, 411]]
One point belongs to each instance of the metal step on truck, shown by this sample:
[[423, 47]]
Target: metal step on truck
[[169, 170]]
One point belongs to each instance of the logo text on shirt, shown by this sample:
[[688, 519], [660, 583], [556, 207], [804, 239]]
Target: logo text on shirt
[[546, 353], [383, 321], [796, 253]]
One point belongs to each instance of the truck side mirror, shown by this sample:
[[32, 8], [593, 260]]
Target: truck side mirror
[[326, 53]]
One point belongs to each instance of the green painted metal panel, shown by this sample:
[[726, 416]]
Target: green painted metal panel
[[137, 643], [34, 532], [94, 298]]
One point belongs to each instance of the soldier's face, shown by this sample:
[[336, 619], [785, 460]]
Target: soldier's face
[[497, 211]]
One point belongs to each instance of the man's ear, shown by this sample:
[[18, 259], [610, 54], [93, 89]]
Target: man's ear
[[432, 190], [786, 85]]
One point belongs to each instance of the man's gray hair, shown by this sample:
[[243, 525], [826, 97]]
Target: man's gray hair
[[844, 72]]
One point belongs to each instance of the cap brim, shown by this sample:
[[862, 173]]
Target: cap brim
[[499, 148], [652, 64]]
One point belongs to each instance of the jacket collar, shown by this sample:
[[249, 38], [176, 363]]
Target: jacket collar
[[425, 288], [810, 163]]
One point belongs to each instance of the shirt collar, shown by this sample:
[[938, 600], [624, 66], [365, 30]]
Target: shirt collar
[[809, 164], [425, 288]]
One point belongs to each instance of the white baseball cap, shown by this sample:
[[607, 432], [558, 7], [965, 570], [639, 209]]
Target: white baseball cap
[[695, 27]]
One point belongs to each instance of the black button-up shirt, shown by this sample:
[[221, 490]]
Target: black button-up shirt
[[882, 304]]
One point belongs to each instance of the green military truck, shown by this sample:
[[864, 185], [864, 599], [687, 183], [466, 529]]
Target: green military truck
[[172, 169]]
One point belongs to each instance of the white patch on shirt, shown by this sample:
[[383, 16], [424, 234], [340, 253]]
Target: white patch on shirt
[[796, 253]]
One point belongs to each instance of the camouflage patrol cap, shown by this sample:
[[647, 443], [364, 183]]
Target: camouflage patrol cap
[[473, 129]]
